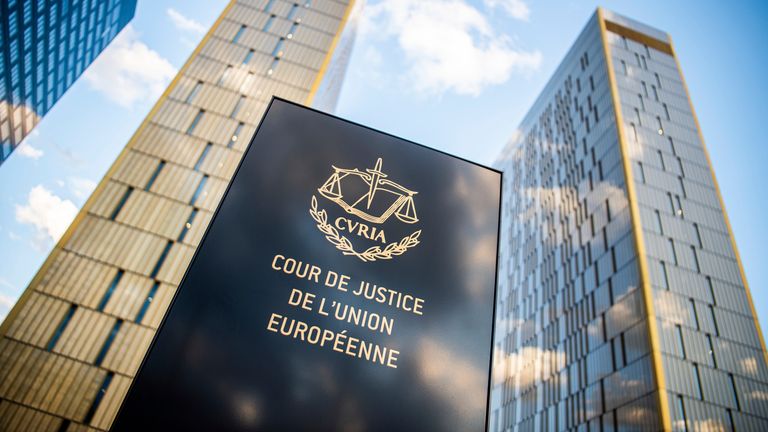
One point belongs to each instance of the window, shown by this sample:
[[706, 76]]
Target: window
[[664, 275], [692, 311], [292, 12], [711, 351], [697, 382], [666, 110], [99, 396], [645, 88], [154, 175], [278, 51], [657, 218], [238, 129], [239, 34], [273, 66], [121, 203], [655, 93], [682, 186], [618, 354], [641, 172], [680, 345], [227, 72], [195, 121], [661, 160], [661, 127], [198, 191], [711, 290], [695, 259], [714, 319], [671, 250], [624, 67], [681, 414], [637, 116], [735, 392], [60, 329], [195, 90], [634, 131], [161, 259], [292, 31], [642, 103], [110, 290], [637, 59], [268, 24], [237, 107], [269, 5], [108, 343], [187, 225], [698, 234], [147, 302], [202, 156], [248, 57]]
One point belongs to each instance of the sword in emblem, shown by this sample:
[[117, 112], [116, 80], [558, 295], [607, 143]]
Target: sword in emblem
[[376, 174]]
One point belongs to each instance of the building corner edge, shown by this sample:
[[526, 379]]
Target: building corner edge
[[637, 232]]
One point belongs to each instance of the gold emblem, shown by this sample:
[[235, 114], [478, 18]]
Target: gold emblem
[[370, 196]]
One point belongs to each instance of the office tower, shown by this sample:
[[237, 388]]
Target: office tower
[[44, 47], [73, 342], [622, 301]]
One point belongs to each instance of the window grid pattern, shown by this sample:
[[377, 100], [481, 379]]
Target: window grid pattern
[[46, 46], [176, 177], [720, 376], [571, 342]]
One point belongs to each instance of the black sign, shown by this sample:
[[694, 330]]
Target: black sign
[[346, 283]]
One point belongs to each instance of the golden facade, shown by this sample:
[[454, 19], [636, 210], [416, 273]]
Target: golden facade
[[75, 339]]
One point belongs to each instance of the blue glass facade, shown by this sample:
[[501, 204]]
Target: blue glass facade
[[46, 46], [621, 303]]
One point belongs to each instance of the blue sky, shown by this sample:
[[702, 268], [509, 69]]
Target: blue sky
[[466, 99]]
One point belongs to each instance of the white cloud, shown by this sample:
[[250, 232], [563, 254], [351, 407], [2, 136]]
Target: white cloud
[[129, 71], [448, 44], [27, 150], [183, 23], [526, 365], [517, 9], [446, 373], [6, 303], [81, 187], [49, 214]]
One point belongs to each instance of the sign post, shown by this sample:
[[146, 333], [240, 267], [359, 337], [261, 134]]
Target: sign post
[[345, 283]]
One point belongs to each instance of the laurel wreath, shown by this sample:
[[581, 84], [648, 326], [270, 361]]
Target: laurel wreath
[[343, 244]]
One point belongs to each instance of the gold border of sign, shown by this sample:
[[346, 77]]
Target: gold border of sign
[[343, 244]]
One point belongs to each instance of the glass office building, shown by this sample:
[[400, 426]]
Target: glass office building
[[622, 302], [72, 344], [45, 45]]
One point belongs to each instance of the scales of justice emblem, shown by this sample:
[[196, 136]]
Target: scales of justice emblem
[[371, 196]]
